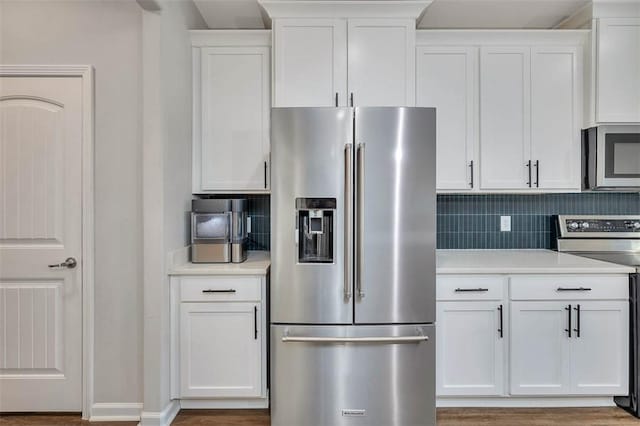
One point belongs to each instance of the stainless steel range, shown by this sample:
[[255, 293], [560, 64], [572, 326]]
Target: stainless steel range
[[614, 239]]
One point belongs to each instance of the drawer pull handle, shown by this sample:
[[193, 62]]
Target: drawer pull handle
[[463, 290], [574, 289], [230, 290]]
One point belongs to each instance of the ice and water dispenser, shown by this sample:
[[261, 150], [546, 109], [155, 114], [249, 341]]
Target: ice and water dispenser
[[315, 230]]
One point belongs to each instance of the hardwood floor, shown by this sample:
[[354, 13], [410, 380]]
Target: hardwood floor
[[609, 416]]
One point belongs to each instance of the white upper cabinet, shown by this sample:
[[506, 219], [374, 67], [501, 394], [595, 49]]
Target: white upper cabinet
[[617, 71], [231, 118], [312, 56], [505, 120], [310, 62], [447, 79], [555, 117], [381, 62]]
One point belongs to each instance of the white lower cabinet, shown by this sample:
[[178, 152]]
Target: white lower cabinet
[[560, 348], [220, 352], [539, 348], [219, 347], [560, 336], [470, 348]]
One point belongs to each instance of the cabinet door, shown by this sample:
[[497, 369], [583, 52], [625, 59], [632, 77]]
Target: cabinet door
[[310, 62], [618, 68], [540, 348], [504, 117], [600, 353], [555, 117], [381, 62], [447, 80], [470, 349], [220, 352], [231, 134]]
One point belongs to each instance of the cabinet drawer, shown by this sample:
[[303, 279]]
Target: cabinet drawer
[[219, 289], [470, 287], [569, 287]]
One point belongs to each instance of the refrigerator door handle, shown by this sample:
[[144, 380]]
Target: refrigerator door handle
[[348, 220], [360, 220], [380, 339]]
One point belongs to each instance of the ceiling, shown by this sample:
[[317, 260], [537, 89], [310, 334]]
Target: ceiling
[[441, 14]]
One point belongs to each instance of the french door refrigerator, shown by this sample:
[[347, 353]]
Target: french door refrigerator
[[353, 266]]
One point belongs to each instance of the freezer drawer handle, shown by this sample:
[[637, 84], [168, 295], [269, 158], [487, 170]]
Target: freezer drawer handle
[[400, 339], [574, 289], [467, 290], [229, 290]]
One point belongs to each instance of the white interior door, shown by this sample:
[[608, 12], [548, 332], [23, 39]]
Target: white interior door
[[40, 224]]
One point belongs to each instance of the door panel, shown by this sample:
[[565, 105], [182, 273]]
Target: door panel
[[539, 348], [309, 160], [396, 263], [234, 119], [600, 355], [504, 117], [220, 350], [310, 62], [381, 62], [447, 80], [470, 349], [352, 384], [555, 129], [40, 224]]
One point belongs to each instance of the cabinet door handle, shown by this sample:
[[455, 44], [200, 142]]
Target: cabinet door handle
[[501, 329], [336, 98], [528, 166], [471, 167], [568, 330], [255, 323], [463, 290], [577, 329], [265, 175], [229, 290], [537, 173], [574, 288], [351, 98]]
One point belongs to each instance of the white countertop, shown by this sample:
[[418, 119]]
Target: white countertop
[[257, 263], [521, 262]]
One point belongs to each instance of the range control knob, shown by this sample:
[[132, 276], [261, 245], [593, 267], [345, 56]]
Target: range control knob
[[636, 226], [584, 225], [573, 225]]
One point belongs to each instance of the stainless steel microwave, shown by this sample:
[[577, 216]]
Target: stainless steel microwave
[[611, 158]]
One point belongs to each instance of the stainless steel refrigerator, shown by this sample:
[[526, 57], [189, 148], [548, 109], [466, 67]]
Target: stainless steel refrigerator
[[353, 266]]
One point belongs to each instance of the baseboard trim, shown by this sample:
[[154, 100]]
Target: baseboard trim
[[224, 403], [115, 411], [526, 402], [160, 418]]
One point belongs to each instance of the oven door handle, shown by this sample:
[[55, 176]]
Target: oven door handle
[[381, 339]]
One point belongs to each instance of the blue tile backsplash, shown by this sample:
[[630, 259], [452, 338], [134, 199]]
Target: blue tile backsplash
[[473, 221]]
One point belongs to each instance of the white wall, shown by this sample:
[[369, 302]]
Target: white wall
[[107, 35], [166, 177]]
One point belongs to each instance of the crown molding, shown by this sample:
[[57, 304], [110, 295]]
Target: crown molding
[[408, 9], [200, 38]]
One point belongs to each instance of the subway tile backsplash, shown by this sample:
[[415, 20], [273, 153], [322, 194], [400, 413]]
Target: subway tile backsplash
[[473, 221]]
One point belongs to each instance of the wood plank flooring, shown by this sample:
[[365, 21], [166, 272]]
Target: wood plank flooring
[[608, 416]]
